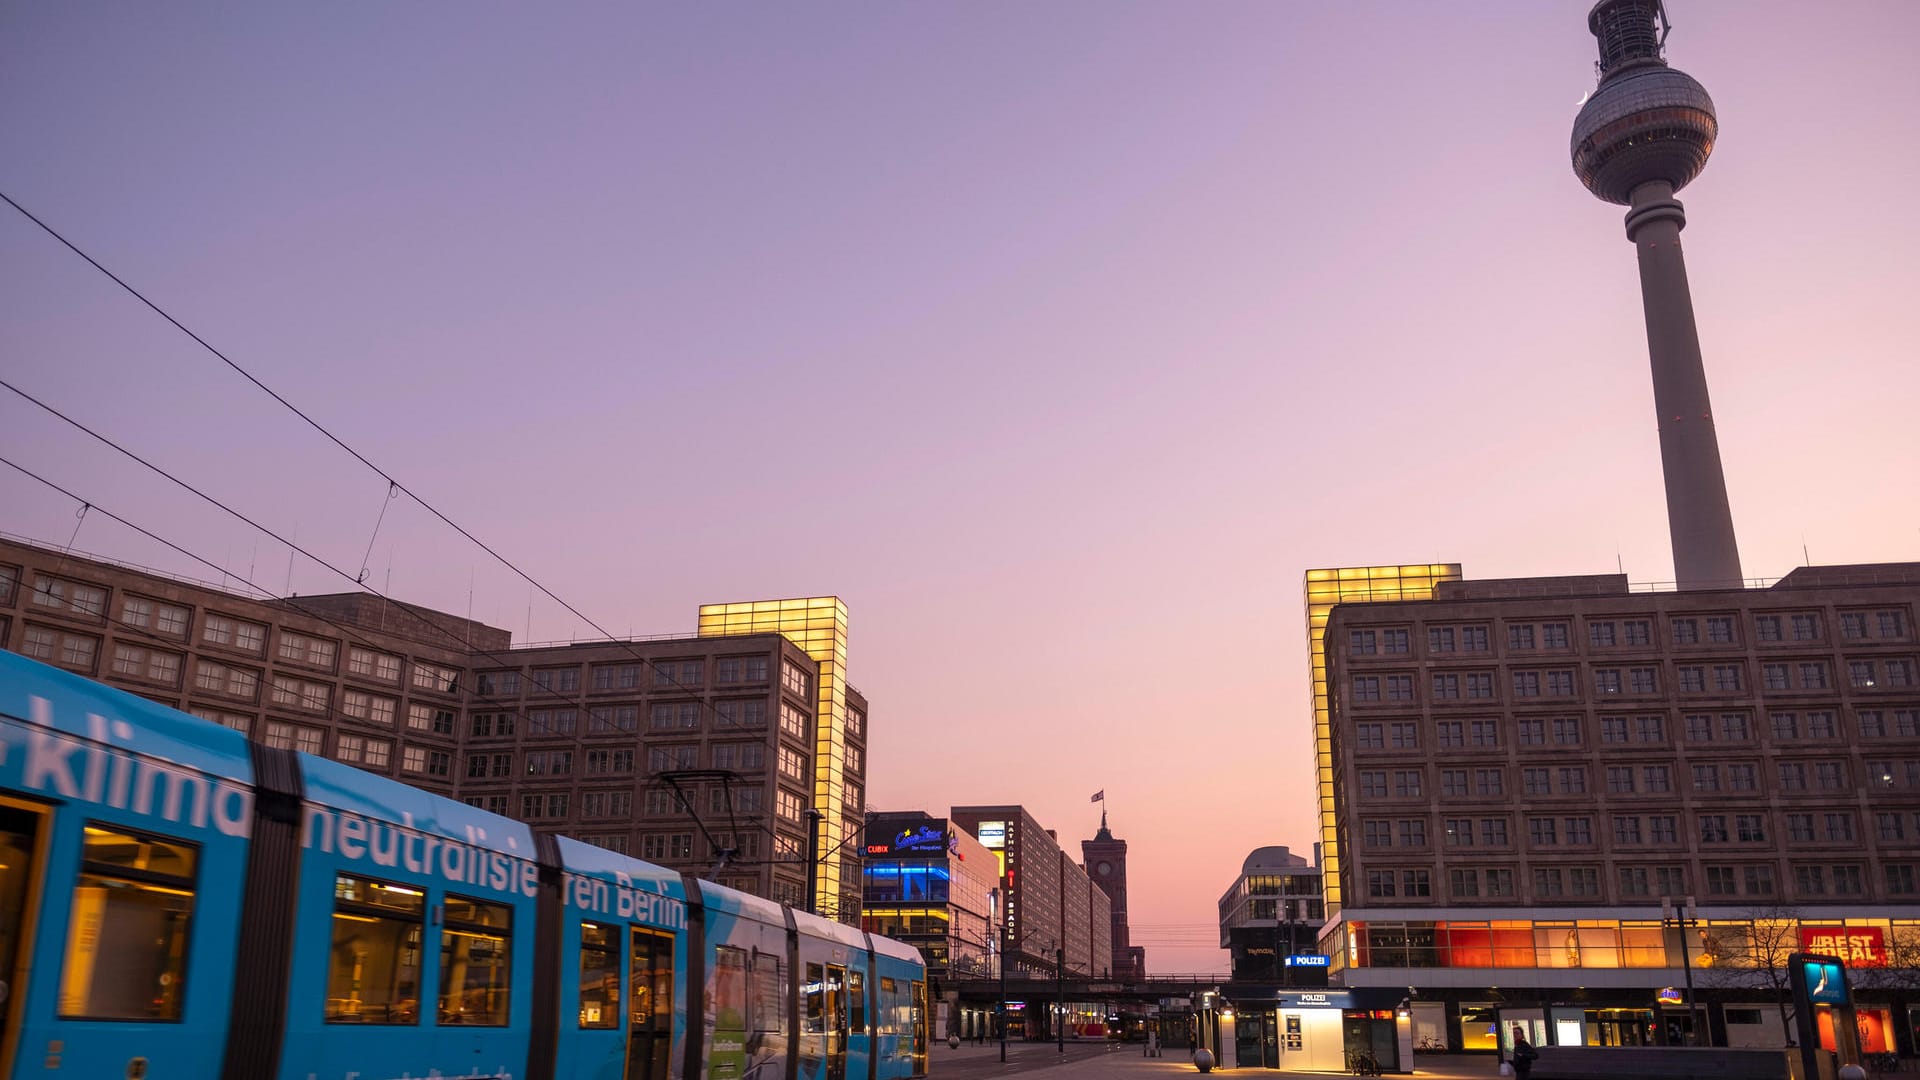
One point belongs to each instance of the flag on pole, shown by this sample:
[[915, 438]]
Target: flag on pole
[[1099, 796]]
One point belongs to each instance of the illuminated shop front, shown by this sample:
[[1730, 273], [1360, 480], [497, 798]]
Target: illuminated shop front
[[1623, 981], [1616, 943]]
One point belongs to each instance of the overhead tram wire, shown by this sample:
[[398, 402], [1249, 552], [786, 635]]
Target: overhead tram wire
[[331, 437], [660, 674], [332, 711], [359, 583], [392, 481], [353, 634]]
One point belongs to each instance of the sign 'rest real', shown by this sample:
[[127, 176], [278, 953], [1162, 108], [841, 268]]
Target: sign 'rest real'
[[1859, 946]]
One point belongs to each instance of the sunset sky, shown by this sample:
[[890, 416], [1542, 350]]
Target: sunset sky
[[1057, 339]]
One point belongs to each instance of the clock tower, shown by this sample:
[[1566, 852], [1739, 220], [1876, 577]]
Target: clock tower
[[1106, 862]]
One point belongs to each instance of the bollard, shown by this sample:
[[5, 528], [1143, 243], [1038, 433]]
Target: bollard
[[1204, 1059]]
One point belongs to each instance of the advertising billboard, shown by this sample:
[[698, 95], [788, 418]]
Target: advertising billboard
[[1858, 946]]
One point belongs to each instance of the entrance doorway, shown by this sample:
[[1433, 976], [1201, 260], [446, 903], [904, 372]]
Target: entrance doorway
[[836, 1022], [650, 1018]]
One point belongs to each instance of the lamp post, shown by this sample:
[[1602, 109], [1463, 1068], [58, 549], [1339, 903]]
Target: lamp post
[[993, 936], [1060, 989], [814, 818], [1686, 963], [1286, 962]]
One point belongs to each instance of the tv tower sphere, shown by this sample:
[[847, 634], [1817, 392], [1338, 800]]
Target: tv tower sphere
[[1646, 121]]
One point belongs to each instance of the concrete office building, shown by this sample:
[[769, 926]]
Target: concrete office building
[[818, 624], [1272, 911], [698, 753], [1049, 904], [1604, 814], [1325, 588], [1526, 768]]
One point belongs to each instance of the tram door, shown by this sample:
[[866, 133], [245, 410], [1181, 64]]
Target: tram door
[[19, 848], [836, 1022], [650, 1006], [920, 1040]]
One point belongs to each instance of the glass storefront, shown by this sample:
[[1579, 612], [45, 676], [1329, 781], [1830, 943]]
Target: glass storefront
[[1608, 943]]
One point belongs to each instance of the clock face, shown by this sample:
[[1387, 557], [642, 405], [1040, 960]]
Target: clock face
[[1104, 868]]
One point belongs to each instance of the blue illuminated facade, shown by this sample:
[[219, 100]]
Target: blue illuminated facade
[[930, 885]]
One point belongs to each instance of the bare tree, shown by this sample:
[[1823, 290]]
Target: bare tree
[[1753, 957], [1901, 972]]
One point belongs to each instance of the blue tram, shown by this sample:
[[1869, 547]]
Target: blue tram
[[177, 902]]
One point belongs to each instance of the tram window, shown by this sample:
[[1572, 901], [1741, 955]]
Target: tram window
[[769, 995], [476, 963], [599, 976], [126, 952], [816, 991], [889, 1003], [651, 979], [857, 998], [727, 1004], [373, 972]]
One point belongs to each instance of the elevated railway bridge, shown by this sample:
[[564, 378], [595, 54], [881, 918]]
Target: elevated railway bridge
[[1092, 1005]]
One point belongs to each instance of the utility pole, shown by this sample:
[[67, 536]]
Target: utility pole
[[1060, 988], [1686, 964], [993, 905], [813, 860]]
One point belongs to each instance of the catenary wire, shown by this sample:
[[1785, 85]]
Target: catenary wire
[[467, 644], [293, 604], [330, 436]]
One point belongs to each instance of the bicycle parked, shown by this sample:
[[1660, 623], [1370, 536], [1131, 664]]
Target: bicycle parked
[[1362, 1063]]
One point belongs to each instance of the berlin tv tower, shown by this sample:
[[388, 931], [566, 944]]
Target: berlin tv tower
[[1643, 134]]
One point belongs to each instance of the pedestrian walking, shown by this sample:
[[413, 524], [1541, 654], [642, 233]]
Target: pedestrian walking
[[1523, 1055]]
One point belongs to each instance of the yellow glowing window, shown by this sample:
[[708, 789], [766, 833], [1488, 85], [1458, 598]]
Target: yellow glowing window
[[476, 963], [599, 976], [126, 950], [373, 975]]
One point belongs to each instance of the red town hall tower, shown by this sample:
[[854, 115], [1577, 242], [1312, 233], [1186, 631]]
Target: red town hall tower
[[1106, 862]]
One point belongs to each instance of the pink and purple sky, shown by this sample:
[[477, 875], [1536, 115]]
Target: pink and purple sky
[[1057, 339]]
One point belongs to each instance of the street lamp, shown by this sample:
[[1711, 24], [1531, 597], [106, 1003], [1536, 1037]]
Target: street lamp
[[993, 935], [814, 817], [1686, 963], [1060, 990]]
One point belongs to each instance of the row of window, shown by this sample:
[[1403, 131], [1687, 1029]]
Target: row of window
[[1629, 830], [1756, 880], [1879, 673], [598, 762], [374, 975], [420, 717], [62, 595], [678, 716], [723, 800], [1726, 727], [1493, 781], [666, 674], [1885, 624]]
